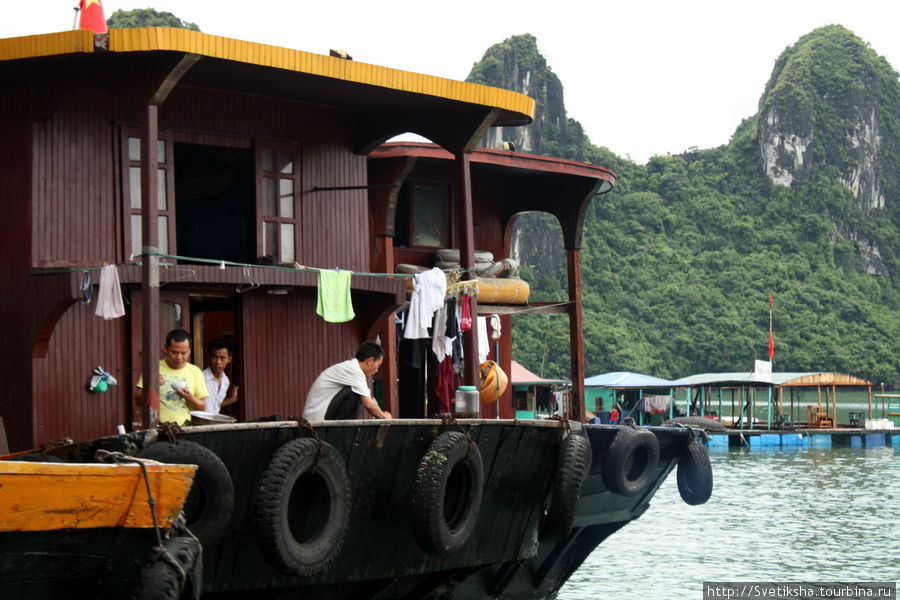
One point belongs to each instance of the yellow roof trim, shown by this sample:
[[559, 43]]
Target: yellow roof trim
[[195, 42], [48, 44]]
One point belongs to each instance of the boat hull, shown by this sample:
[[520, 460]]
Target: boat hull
[[382, 554], [83, 530]]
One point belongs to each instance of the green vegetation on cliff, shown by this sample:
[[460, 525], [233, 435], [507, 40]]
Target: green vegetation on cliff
[[679, 259]]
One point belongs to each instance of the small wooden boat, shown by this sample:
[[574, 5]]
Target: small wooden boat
[[91, 530]]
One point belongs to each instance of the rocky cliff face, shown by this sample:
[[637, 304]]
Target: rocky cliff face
[[832, 102], [516, 64]]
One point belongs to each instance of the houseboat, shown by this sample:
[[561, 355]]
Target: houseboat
[[214, 179]]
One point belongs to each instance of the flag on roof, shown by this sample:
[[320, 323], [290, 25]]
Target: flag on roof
[[92, 17]]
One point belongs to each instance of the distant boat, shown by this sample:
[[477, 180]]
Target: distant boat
[[88, 530]]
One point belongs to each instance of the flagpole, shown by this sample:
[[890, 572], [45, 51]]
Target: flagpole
[[771, 339]]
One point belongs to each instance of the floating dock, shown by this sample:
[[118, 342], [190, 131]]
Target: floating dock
[[802, 438]]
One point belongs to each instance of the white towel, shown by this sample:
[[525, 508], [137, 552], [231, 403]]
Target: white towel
[[109, 300]]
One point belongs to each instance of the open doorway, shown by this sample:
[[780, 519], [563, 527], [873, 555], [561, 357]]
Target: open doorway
[[214, 318], [216, 208]]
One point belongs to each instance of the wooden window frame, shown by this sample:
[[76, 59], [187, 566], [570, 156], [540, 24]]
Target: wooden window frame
[[126, 133], [448, 212], [261, 146]]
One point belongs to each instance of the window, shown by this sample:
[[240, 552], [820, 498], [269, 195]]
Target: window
[[278, 182], [131, 186], [423, 216]]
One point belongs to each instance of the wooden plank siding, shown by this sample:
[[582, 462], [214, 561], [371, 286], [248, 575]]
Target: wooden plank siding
[[63, 405], [285, 346]]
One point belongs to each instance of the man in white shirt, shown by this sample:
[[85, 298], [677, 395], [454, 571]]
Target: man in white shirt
[[217, 384], [339, 390]]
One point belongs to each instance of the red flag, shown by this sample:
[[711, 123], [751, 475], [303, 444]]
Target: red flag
[[771, 346], [771, 302], [92, 16]]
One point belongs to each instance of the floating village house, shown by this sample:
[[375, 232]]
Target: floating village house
[[228, 163]]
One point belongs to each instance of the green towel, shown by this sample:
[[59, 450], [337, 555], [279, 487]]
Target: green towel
[[334, 303]]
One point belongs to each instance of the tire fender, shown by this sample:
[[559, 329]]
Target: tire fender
[[211, 500], [574, 462], [162, 580], [630, 462], [447, 493], [303, 507], [694, 474]]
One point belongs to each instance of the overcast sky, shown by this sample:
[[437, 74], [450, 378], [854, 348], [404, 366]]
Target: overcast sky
[[642, 77]]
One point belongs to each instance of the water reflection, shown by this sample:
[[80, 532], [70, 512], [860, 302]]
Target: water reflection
[[811, 514]]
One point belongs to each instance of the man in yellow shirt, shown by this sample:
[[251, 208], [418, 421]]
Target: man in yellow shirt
[[181, 384]]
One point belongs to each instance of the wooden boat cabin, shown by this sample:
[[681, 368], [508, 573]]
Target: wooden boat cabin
[[238, 169]]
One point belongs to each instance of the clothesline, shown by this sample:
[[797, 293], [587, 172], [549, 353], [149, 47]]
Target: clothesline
[[220, 263]]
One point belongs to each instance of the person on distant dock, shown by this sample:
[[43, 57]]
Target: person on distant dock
[[221, 392], [181, 385], [340, 390], [614, 415]]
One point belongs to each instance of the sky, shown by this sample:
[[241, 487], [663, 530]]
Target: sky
[[643, 77]]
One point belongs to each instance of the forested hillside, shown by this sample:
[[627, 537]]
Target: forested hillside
[[679, 259]]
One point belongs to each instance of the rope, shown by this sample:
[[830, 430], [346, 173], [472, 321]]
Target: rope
[[171, 430], [160, 548], [448, 420], [303, 424]]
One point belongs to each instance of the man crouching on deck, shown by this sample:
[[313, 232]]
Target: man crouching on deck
[[338, 390]]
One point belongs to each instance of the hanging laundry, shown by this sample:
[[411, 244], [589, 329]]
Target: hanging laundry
[[441, 345], [427, 297], [465, 307], [484, 346], [495, 327], [445, 385], [334, 303], [109, 300]]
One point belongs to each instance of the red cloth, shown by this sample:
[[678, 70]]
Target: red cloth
[[92, 16], [465, 310], [445, 384]]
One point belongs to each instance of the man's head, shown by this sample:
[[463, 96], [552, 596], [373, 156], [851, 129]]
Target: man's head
[[178, 348], [219, 354], [370, 356]]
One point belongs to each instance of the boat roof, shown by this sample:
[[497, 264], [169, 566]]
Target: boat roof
[[627, 380], [519, 375], [786, 379], [387, 99]]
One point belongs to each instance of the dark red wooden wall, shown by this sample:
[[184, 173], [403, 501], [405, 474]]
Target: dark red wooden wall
[[63, 212]]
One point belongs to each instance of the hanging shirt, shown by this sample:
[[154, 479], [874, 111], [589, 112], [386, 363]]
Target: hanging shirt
[[429, 289]]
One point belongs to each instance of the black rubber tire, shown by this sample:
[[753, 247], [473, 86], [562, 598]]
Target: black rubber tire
[[160, 580], [447, 494], [573, 466], [694, 475], [698, 422], [210, 503], [303, 507], [630, 462]]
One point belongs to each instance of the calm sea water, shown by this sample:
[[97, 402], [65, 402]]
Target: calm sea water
[[775, 515]]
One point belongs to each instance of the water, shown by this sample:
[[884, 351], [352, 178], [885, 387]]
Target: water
[[806, 515]]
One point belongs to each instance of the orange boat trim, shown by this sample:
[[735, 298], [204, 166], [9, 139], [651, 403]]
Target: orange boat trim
[[47, 496]]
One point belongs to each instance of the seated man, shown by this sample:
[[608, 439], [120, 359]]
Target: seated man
[[339, 390]]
